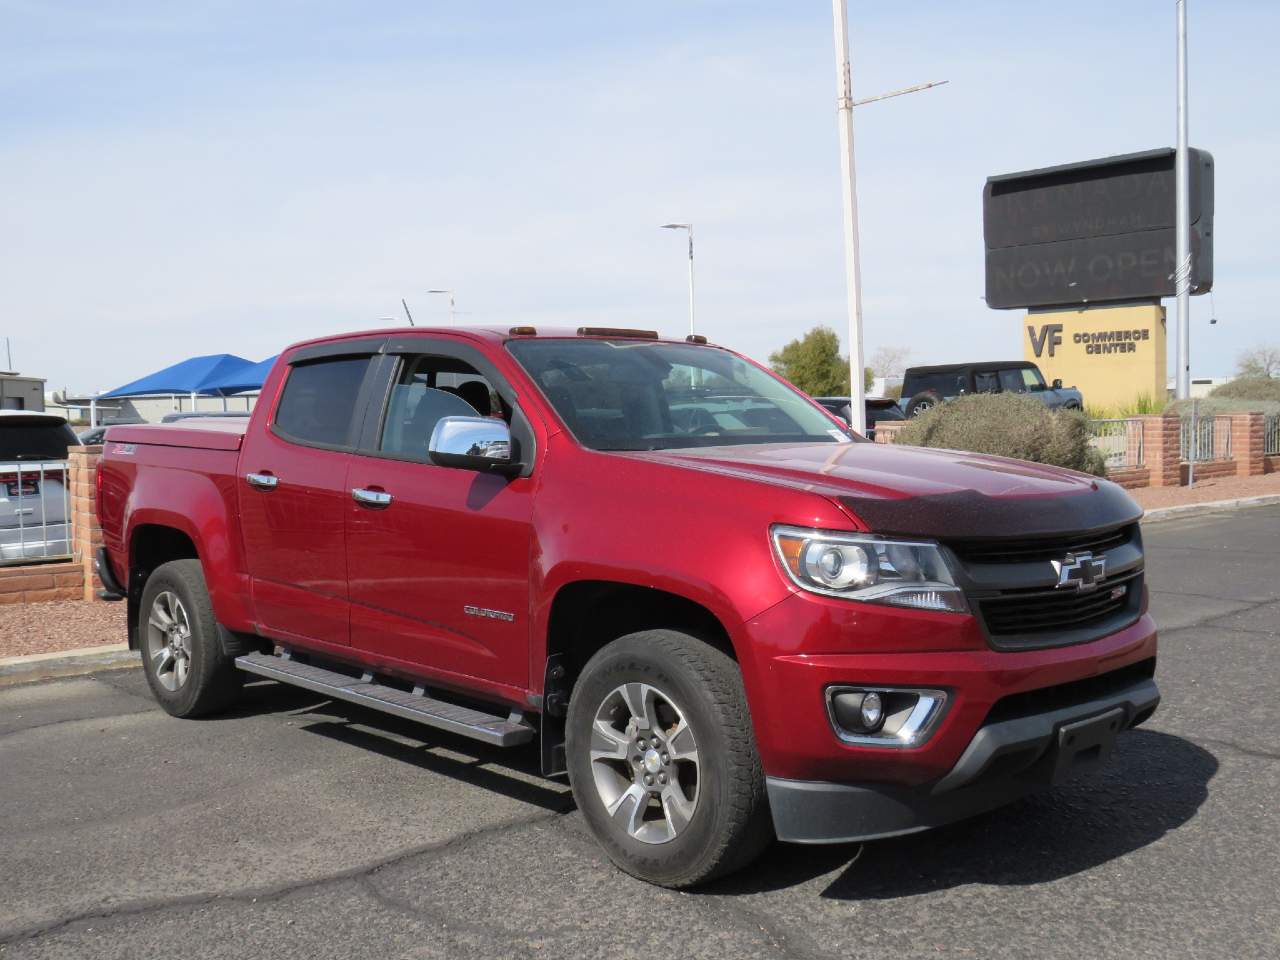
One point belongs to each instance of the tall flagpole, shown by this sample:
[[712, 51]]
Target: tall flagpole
[[848, 180], [1182, 186]]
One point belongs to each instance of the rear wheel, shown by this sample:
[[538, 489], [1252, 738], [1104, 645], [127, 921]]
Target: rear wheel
[[663, 761], [181, 656], [925, 400]]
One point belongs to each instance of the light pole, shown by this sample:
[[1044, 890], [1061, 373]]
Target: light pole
[[449, 294], [1182, 233], [848, 180], [688, 227]]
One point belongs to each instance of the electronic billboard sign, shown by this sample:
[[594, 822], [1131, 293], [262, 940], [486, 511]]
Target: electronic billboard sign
[[1101, 231]]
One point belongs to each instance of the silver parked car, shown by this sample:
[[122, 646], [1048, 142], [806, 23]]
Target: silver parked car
[[35, 503]]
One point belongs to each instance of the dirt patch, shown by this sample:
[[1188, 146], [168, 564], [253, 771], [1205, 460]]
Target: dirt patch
[[27, 628], [1218, 488]]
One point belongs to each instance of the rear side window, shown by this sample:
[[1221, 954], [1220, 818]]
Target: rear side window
[[943, 384], [35, 441], [319, 401]]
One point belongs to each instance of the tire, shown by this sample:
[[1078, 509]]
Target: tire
[[921, 402], [695, 694], [186, 669]]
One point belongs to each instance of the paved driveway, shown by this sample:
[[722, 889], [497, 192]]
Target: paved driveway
[[301, 828]]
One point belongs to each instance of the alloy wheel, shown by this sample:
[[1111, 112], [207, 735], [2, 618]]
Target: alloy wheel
[[644, 762], [169, 641]]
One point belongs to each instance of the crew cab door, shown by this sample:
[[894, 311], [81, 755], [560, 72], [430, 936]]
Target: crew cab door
[[294, 496], [438, 558]]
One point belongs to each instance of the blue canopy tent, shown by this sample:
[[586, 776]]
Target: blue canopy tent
[[194, 376], [216, 375], [242, 379]]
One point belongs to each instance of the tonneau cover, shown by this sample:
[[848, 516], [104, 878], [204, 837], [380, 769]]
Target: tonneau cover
[[215, 433]]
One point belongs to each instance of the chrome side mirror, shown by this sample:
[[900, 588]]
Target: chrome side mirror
[[472, 443]]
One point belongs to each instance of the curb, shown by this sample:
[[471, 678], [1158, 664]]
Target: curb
[[66, 663], [1186, 510]]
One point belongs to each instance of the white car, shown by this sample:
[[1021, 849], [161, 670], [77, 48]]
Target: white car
[[35, 502]]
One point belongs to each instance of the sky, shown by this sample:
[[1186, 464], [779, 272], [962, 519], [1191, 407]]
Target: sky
[[236, 175]]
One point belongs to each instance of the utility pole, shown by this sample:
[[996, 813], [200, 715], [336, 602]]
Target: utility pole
[[848, 181], [688, 227], [449, 293], [1182, 186]]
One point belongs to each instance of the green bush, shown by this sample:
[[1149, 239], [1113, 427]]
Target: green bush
[[1007, 425], [1249, 388]]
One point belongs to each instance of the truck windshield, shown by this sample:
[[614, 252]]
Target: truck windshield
[[628, 395]]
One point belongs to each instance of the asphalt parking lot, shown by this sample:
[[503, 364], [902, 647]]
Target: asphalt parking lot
[[303, 828]]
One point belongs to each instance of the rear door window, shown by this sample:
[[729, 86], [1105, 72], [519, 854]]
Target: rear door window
[[35, 441], [318, 406], [1012, 381], [986, 383]]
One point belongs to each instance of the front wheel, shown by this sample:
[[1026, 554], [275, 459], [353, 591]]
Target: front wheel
[[663, 762], [184, 663]]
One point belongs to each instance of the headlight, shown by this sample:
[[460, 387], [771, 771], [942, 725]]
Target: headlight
[[871, 569]]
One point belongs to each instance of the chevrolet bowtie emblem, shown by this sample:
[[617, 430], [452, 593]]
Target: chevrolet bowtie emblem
[[1080, 571]]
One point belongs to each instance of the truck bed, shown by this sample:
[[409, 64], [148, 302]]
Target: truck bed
[[216, 433]]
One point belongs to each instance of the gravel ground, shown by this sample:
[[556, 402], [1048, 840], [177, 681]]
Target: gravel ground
[[1221, 488], [59, 625]]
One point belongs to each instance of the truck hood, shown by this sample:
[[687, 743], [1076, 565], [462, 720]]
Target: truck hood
[[914, 491]]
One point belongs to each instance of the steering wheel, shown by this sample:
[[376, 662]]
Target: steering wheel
[[701, 423]]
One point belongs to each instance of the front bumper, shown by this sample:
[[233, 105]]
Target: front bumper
[[1005, 760]]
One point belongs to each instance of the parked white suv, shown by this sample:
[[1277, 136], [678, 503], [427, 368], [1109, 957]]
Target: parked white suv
[[35, 502]]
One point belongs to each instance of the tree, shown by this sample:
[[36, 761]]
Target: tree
[[889, 361], [813, 363], [1260, 363]]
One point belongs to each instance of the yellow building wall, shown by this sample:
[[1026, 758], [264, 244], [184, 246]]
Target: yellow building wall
[[1114, 355]]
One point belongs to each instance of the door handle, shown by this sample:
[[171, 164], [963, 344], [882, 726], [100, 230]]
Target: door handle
[[371, 498], [263, 481]]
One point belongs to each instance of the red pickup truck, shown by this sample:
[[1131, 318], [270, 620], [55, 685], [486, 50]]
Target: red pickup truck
[[722, 615]]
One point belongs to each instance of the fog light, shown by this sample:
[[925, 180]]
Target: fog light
[[872, 711], [858, 712], [885, 716]]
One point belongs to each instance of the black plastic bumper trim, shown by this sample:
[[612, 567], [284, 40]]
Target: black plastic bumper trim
[[822, 812], [111, 589]]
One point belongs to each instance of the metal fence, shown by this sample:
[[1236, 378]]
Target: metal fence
[[35, 511], [1208, 439], [1119, 442], [1271, 435]]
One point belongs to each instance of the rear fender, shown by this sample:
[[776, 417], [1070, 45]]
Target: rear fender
[[193, 504]]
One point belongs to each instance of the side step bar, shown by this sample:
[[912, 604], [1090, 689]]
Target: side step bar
[[499, 731]]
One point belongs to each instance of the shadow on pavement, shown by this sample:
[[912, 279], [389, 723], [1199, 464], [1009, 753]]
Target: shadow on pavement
[[513, 773], [1154, 784]]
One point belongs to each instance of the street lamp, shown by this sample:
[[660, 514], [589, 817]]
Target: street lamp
[[688, 227], [449, 294], [853, 270]]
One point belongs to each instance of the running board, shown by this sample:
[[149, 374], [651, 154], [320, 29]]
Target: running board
[[499, 731]]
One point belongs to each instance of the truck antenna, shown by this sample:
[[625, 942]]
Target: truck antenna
[[406, 311]]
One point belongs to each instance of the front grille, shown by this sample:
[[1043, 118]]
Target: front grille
[[1031, 614], [1044, 548]]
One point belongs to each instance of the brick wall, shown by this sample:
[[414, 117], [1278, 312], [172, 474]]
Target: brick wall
[[1131, 478], [64, 579], [84, 510], [887, 432], [37, 582], [1162, 449], [1248, 444]]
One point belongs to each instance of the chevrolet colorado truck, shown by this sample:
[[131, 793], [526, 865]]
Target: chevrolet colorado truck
[[724, 617]]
